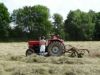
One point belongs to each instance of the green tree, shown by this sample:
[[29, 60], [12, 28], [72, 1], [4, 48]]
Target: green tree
[[90, 24], [34, 20], [72, 26], [80, 25], [58, 26], [97, 27], [4, 21], [87, 24]]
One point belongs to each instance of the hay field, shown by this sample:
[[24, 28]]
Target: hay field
[[14, 62]]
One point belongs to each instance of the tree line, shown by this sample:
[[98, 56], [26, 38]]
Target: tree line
[[31, 22]]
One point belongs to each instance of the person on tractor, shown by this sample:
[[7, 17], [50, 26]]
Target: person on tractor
[[42, 45]]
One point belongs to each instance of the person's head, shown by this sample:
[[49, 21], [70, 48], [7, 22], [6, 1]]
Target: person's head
[[43, 37]]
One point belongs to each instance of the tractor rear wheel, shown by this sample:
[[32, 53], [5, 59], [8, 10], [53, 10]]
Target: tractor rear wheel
[[55, 48], [29, 52]]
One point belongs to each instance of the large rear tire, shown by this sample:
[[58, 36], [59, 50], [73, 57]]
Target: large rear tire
[[29, 52], [55, 48]]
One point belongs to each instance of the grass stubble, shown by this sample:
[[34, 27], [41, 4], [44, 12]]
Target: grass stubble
[[14, 62]]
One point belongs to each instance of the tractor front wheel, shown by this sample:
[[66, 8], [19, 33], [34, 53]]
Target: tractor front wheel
[[29, 52]]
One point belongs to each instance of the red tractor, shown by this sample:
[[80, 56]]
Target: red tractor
[[55, 47]]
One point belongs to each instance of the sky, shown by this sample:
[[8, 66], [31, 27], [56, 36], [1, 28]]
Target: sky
[[55, 6]]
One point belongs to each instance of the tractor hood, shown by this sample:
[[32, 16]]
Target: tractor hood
[[33, 43]]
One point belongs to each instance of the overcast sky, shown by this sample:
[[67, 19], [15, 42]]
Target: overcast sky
[[56, 6]]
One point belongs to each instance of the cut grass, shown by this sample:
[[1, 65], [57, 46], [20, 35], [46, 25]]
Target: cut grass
[[18, 68], [14, 62]]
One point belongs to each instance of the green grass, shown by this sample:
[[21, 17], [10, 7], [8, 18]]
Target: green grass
[[14, 62]]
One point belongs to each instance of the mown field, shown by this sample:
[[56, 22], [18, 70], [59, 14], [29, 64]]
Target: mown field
[[14, 62]]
